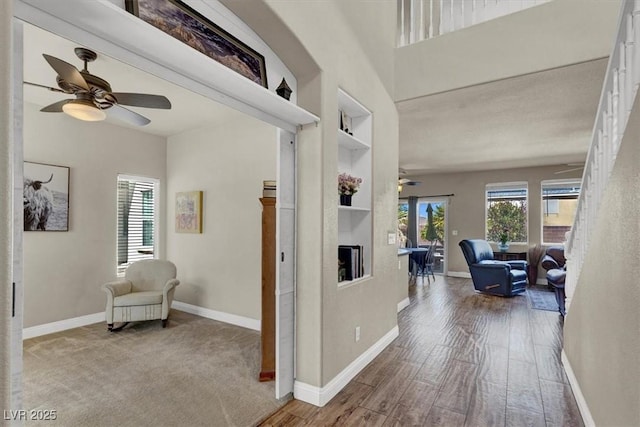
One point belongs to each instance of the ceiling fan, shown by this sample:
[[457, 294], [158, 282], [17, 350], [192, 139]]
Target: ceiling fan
[[93, 95], [405, 181], [577, 167]]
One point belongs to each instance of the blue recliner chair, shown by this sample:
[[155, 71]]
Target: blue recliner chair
[[505, 278]]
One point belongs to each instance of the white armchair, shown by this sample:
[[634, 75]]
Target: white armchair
[[145, 293]]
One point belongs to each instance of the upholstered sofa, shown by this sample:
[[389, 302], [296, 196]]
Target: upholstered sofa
[[555, 264], [505, 278], [145, 293]]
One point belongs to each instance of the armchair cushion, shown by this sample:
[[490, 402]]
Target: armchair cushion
[[139, 298], [553, 258]]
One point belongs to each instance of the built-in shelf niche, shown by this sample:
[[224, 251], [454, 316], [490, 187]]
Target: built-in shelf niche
[[354, 158]]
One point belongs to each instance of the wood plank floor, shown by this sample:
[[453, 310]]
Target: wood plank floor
[[462, 359]]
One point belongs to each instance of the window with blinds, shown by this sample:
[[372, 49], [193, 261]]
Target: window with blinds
[[137, 221], [507, 211], [559, 204]]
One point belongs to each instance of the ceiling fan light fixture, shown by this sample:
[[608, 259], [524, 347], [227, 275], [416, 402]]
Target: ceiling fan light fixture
[[82, 109]]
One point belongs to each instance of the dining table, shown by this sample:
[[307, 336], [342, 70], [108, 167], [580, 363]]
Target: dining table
[[417, 259]]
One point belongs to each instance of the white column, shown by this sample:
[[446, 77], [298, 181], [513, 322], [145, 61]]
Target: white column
[[6, 205]]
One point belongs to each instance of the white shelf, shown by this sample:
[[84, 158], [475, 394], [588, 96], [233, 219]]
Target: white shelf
[[346, 283], [355, 223], [353, 208], [144, 46], [352, 107], [351, 142]]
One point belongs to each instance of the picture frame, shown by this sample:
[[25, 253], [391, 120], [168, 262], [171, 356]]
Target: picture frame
[[188, 213], [203, 35], [45, 197]]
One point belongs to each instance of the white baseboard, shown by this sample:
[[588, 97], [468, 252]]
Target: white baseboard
[[320, 396], [462, 274], [577, 393], [403, 304], [62, 325], [234, 319]]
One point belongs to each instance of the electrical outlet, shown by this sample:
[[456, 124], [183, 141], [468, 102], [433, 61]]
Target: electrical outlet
[[391, 238], [357, 333], [454, 232]]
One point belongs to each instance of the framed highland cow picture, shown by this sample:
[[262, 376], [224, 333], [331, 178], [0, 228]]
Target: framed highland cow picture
[[186, 24], [46, 197]]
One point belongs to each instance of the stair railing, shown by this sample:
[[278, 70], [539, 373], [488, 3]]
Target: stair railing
[[617, 98], [424, 19]]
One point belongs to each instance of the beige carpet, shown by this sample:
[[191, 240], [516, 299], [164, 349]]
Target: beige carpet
[[196, 372]]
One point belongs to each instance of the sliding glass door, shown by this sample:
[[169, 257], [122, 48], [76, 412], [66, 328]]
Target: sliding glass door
[[432, 230]]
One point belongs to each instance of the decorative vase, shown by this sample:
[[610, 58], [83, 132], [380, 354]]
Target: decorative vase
[[533, 274], [345, 199], [503, 247]]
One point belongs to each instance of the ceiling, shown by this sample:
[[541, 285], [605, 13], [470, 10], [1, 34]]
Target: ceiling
[[538, 119], [189, 110]]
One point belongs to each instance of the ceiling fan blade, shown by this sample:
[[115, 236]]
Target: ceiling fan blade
[[52, 89], [403, 181], [56, 107], [128, 116], [66, 71], [414, 182], [142, 100]]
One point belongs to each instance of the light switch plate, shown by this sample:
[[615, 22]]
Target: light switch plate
[[391, 238], [454, 232]]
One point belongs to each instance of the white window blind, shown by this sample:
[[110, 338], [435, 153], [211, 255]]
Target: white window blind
[[137, 221]]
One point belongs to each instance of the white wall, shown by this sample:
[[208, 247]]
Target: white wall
[[551, 35], [220, 268], [325, 315], [601, 338], [63, 271]]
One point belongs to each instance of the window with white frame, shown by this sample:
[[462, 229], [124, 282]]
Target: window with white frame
[[559, 203], [137, 219], [506, 211]]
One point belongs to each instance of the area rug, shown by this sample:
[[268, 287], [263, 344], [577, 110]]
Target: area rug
[[540, 298]]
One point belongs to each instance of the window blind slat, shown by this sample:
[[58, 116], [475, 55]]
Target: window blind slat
[[136, 221]]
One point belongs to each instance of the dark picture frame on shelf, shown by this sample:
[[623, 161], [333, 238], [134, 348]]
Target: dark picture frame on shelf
[[46, 197], [195, 30]]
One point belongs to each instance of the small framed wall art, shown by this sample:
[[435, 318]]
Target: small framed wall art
[[189, 212], [46, 197]]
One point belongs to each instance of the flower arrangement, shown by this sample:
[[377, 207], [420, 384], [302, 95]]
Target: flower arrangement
[[348, 185], [504, 236]]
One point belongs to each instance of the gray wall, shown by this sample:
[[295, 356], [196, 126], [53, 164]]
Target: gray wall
[[602, 328], [220, 268], [467, 207], [326, 315]]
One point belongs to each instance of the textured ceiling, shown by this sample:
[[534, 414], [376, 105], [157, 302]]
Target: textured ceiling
[[544, 118], [538, 119], [189, 110]]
